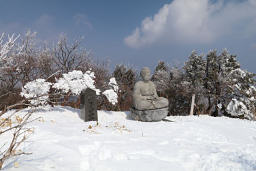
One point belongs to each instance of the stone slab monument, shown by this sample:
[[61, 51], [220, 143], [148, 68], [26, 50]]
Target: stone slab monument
[[147, 105], [88, 105]]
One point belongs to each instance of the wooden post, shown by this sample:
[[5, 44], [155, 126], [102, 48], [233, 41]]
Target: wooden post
[[192, 104]]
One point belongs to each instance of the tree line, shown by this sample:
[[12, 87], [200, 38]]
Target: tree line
[[219, 84], [221, 87]]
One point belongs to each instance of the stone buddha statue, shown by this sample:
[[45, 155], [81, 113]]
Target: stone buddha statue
[[144, 94]]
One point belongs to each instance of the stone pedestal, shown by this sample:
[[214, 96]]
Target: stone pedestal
[[149, 115]]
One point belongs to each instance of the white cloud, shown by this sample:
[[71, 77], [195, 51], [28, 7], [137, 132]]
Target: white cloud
[[196, 21], [82, 20]]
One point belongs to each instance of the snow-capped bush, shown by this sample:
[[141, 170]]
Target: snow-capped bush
[[237, 108], [111, 94], [243, 89], [76, 81], [37, 91]]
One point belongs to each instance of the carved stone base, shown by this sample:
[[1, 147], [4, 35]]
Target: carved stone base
[[149, 115]]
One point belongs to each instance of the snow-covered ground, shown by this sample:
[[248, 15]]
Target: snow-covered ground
[[62, 141]]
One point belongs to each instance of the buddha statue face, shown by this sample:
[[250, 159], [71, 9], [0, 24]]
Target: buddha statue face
[[145, 74]]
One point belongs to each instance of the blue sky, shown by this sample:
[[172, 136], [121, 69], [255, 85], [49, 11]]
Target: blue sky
[[140, 33]]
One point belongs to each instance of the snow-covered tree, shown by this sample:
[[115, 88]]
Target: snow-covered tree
[[228, 62], [6, 46], [12, 122], [242, 84], [178, 94], [161, 66], [194, 75], [212, 81], [21, 67], [161, 76], [229, 88], [195, 70], [125, 77]]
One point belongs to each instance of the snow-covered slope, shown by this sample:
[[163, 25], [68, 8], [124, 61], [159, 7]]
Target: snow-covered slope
[[62, 141]]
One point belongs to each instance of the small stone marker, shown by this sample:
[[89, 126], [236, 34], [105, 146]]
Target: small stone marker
[[88, 105]]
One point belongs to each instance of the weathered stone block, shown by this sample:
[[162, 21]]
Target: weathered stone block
[[149, 115], [88, 105]]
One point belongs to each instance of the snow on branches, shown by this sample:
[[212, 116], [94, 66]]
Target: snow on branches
[[73, 82], [111, 93], [6, 46], [36, 91], [238, 108]]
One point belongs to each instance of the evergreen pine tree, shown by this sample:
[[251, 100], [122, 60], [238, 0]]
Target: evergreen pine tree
[[194, 71], [229, 87], [161, 77], [243, 102], [227, 63], [161, 66], [212, 81], [125, 78], [194, 74], [179, 94]]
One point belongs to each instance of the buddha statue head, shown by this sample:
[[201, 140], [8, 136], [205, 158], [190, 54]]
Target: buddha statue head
[[145, 74]]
